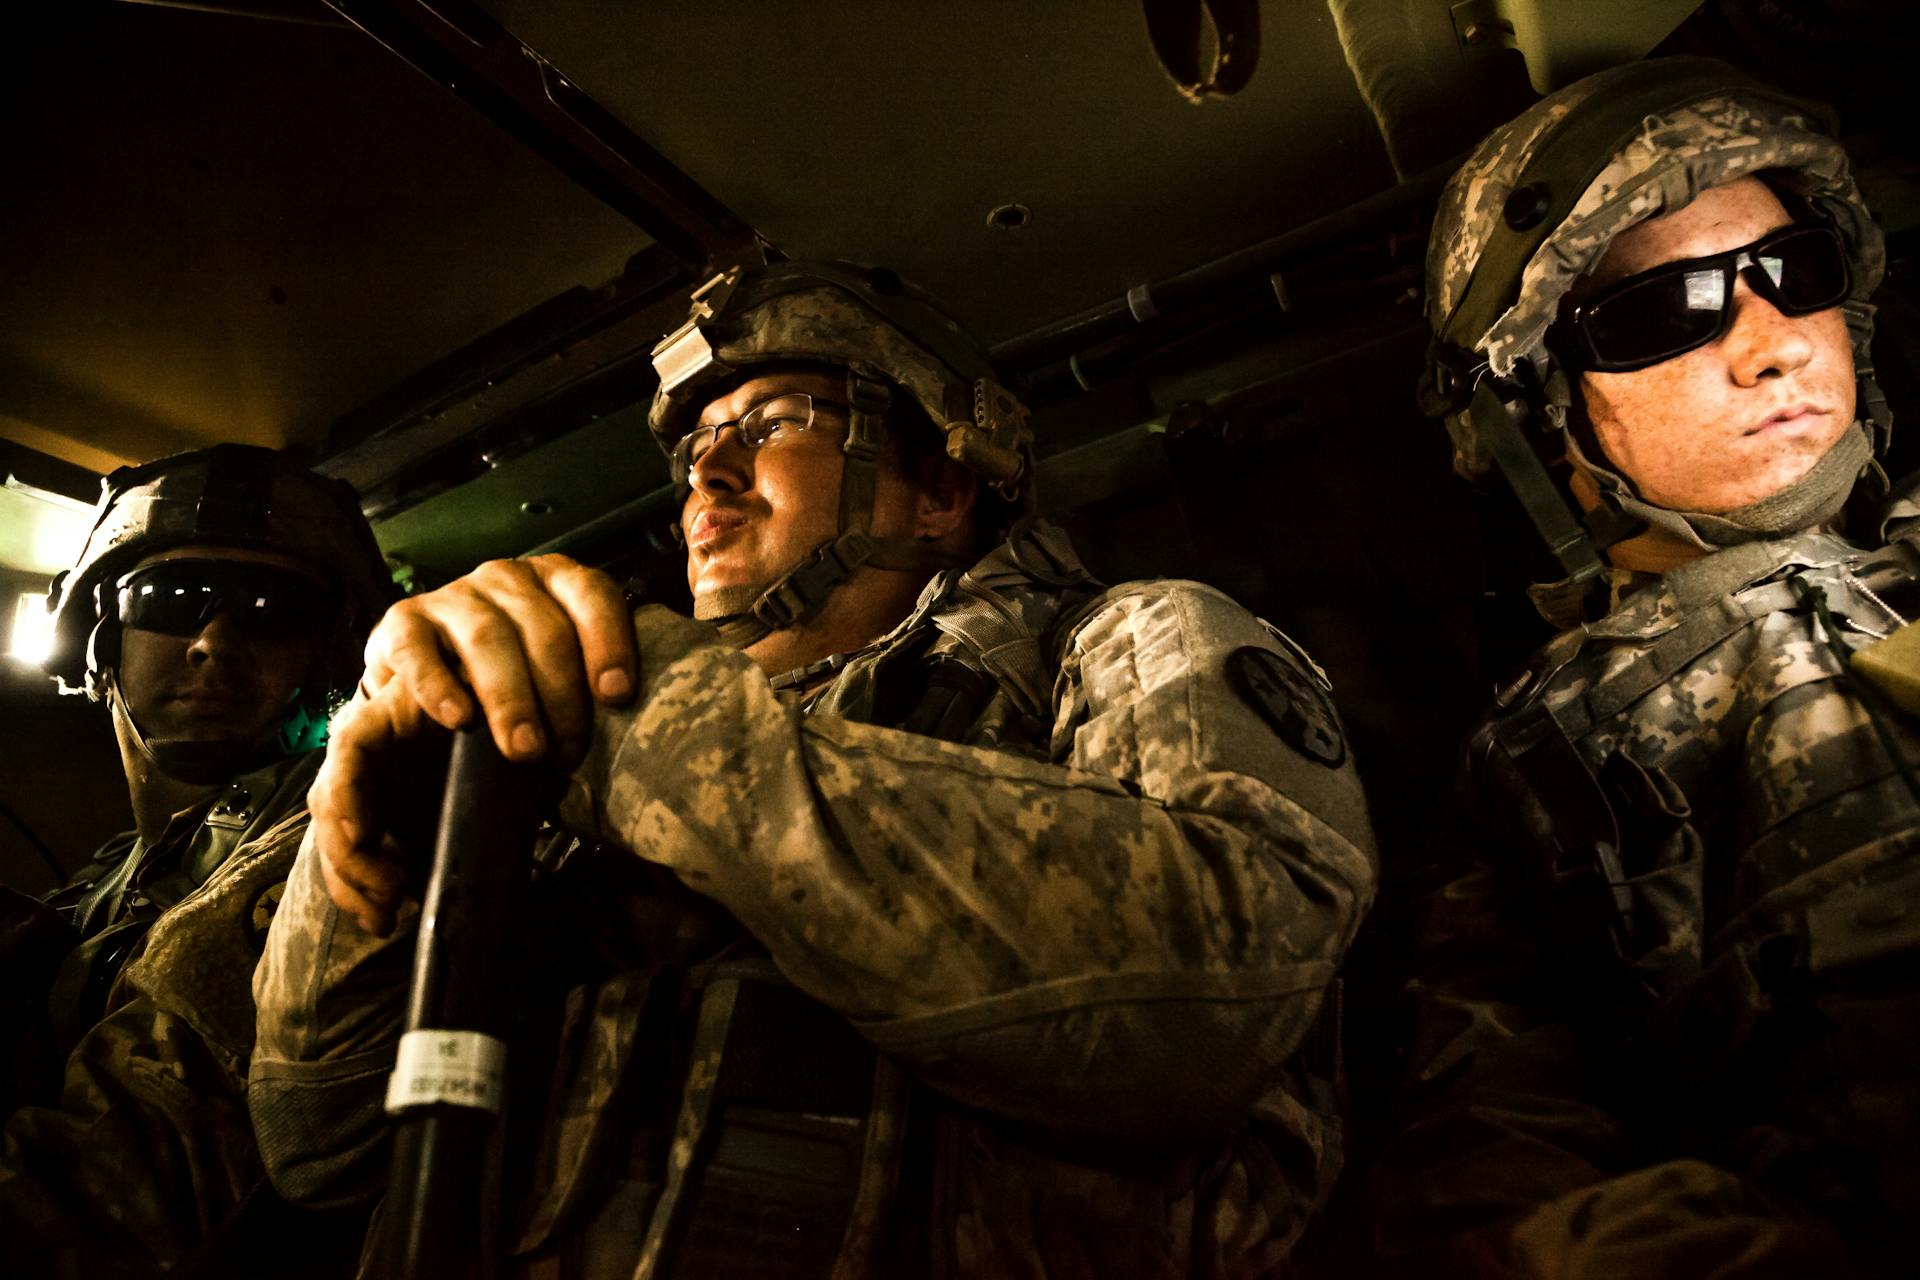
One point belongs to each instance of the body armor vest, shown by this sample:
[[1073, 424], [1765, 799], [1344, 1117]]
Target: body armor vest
[[1717, 817]]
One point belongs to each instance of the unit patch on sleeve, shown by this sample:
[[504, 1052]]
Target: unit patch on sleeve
[[1297, 708]]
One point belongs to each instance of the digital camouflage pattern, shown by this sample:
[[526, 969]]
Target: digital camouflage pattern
[[1668, 1023], [1099, 923], [1671, 156], [149, 1153], [834, 314]]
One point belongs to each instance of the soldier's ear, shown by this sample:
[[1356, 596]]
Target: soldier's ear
[[943, 503]]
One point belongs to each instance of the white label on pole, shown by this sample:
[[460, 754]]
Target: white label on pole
[[459, 1067]]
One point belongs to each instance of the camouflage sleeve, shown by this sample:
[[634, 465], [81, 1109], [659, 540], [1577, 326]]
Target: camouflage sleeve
[[148, 1154], [1131, 941], [332, 1001]]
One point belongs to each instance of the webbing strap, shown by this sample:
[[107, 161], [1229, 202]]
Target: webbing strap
[[715, 1018], [1702, 581], [1870, 406], [867, 401], [1498, 422], [1657, 664]]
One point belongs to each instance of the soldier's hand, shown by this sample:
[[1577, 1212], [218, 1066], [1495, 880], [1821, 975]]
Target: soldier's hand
[[365, 792], [536, 641]]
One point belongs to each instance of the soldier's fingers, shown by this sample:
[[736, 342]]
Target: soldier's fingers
[[375, 917], [518, 654], [598, 610], [410, 644], [359, 880], [458, 623], [374, 672]]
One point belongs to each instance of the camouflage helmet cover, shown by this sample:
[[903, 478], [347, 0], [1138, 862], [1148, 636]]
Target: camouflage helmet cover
[[1718, 126], [230, 495], [857, 317]]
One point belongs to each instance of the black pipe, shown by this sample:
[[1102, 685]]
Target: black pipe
[[1143, 302], [434, 1221]]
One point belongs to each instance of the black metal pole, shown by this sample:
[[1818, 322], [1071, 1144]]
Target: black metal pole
[[447, 1082]]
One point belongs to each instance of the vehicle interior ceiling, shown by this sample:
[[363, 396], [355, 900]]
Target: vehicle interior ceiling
[[432, 244]]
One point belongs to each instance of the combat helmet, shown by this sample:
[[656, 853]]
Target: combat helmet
[[1536, 207], [891, 339], [230, 495]]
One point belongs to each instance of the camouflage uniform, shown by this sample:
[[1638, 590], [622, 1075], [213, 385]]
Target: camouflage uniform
[[1088, 932], [144, 1162], [1666, 1012], [1712, 1043], [149, 1152]]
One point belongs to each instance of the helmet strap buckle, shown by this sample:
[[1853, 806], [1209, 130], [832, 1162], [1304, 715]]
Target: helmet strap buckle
[[803, 589], [868, 398]]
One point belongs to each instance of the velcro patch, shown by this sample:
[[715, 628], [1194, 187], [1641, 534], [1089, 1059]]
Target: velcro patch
[[1295, 706]]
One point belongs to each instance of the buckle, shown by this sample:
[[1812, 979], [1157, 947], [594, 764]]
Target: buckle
[[849, 551], [780, 606], [806, 585], [866, 393], [868, 399]]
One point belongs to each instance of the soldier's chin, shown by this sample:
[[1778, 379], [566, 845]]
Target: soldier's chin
[[715, 603], [205, 761]]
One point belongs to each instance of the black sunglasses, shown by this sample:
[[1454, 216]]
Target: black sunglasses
[[1677, 306], [179, 598]]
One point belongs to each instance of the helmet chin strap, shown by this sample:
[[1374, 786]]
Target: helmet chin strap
[[746, 615], [193, 761], [1813, 499]]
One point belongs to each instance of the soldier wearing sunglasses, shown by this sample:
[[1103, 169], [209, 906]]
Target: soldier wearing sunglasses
[[952, 913], [218, 609], [1668, 1009]]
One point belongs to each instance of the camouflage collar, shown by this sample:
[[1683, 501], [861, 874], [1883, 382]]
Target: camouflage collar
[[1666, 601], [1034, 549]]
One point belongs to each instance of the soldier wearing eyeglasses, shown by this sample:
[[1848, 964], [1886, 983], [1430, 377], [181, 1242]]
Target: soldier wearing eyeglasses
[[951, 913], [218, 609], [1668, 1016]]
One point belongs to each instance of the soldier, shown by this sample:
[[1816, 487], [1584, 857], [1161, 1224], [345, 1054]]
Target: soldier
[[218, 608], [1667, 1007], [1078, 862]]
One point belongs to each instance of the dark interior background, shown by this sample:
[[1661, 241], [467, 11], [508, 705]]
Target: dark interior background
[[259, 221]]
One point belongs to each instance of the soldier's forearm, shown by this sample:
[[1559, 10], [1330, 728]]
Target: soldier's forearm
[[991, 916], [331, 1000]]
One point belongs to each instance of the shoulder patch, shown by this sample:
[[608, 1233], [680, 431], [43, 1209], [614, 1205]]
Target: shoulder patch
[[1295, 706]]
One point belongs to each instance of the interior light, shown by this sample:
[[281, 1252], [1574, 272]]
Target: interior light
[[32, 633], [48, 496]]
